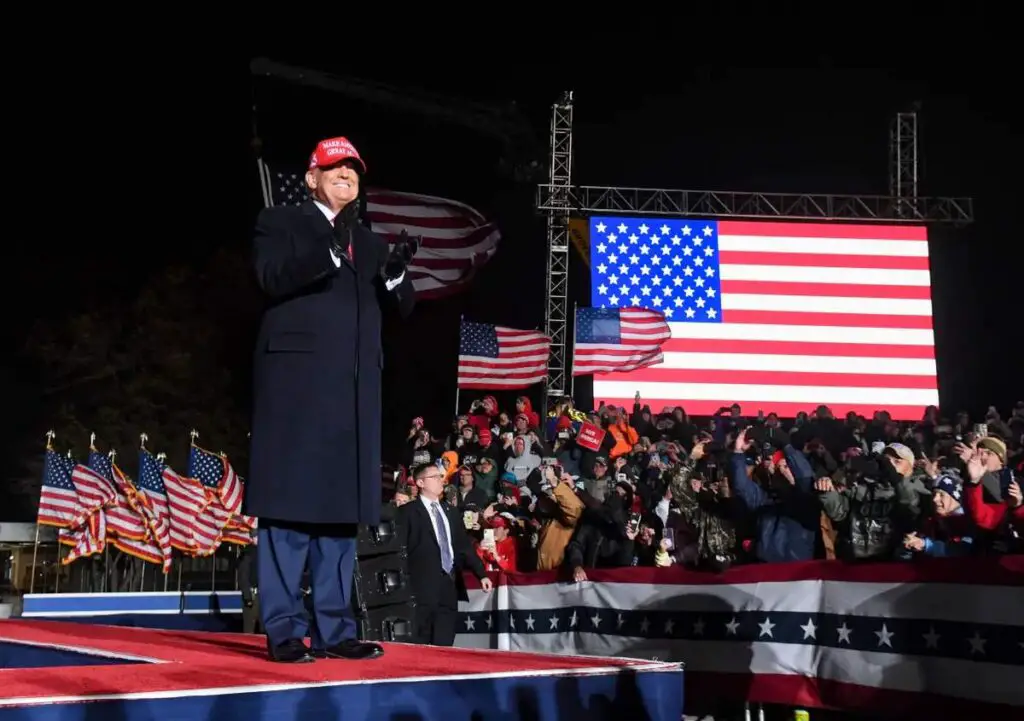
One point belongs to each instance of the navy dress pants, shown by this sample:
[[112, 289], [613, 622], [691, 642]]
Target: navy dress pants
[[284, 550]]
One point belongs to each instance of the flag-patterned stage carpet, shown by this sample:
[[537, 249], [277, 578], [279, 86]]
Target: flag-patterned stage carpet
[[69, 671]]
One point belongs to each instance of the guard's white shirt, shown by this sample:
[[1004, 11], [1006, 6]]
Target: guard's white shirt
[[330, 215], [433, 524]]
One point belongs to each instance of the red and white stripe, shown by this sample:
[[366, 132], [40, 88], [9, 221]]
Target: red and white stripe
[[86, 540], [230, 489], [194, 528], [456, 239], [812, 314], [126, 521], [94, 492], [58, 507], [522, 361], [641, 331]]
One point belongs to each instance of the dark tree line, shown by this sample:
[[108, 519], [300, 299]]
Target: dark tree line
[[173, 358]]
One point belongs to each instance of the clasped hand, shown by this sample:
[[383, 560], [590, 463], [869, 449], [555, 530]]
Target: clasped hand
[[401, 255]]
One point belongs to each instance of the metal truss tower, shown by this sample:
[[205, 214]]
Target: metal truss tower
[[559, 200], [559, 203], [903, 159]]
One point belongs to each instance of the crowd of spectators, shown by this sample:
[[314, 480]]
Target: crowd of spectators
[[663, 488]]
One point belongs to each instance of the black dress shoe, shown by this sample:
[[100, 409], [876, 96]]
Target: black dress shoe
[[293, 651], [352, 650]]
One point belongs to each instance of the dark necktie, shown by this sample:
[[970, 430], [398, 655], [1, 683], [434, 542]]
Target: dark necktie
[[442, 539]]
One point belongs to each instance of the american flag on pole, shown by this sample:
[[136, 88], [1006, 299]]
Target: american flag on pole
[[125, 523], [225, 491], [456, 240], [618, 339], [495, 357], [58, 500], [773, 315]]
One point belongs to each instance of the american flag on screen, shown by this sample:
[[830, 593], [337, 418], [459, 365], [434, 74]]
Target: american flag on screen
[[456, 240], [495, 357], [775, 316], [618, 339]]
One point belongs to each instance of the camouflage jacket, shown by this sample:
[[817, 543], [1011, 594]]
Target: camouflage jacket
[[712, 535]]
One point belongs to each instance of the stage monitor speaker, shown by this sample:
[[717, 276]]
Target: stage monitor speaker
[[383, 601], [381, 538], [388, 623], [382, 581]]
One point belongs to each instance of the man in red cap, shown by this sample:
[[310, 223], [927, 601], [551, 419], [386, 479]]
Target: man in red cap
[[315, 456]]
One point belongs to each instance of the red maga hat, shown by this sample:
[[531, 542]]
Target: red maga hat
[[333, 151]]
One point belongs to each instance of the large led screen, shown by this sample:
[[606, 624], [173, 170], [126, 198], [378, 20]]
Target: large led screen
[[774, 316]]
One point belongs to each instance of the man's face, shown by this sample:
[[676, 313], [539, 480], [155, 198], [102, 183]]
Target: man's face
[[902, 466], [945, 504], [521, 425], [432, 482], [646, 536], [989, 459], [336, 186], [600, 470]]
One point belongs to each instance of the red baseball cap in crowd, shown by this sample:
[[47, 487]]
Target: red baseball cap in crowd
[[333, 151]]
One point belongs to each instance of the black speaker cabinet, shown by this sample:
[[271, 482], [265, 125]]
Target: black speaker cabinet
[[387, 623], [382, 581], [381, 538]]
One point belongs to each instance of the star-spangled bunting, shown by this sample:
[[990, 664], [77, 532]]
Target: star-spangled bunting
[[992, 643]]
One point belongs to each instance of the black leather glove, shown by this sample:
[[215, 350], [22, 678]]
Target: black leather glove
[[401, 255], [343, 224]]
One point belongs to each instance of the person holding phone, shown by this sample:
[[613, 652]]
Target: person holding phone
[[497, 550]]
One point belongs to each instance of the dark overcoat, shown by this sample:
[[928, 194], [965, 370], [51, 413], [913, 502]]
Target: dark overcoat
[[316, 426]]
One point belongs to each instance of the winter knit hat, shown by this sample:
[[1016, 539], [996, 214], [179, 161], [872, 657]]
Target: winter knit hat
[[951, 484]]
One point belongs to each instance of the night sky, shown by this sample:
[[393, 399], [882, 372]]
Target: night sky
[[179, 186]]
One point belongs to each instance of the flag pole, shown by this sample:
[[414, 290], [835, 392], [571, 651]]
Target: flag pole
[[572, 376], [50, 435], [462, 317]]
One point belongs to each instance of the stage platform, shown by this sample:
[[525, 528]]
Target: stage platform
[[67, 671]]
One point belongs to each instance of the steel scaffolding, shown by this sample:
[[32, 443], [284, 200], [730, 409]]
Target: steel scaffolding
[[903, 163], [559, 199], [558, 206]]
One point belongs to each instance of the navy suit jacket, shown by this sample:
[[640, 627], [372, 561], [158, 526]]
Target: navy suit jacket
[[316, 426]]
